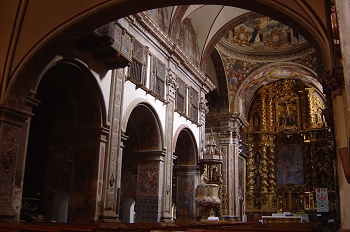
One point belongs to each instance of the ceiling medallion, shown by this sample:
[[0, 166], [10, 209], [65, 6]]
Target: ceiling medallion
[[241, 36], [275, 39]]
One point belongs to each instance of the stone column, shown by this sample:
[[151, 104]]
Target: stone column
[[14, 131], [172, 86], [229, 145]]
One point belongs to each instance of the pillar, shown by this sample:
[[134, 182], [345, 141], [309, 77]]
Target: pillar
[[168, 164], [14, 131], [229, 144], [113, 161]]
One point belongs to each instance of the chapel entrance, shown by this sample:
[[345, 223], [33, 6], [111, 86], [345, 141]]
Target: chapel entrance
[[64, 143], [186, 176], [143, 165]]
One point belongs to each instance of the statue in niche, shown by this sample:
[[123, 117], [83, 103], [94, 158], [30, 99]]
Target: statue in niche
[[257, 181], [318, 116], [258, 202], [256, 121], [291, 118], [257, 158], [282, 119]]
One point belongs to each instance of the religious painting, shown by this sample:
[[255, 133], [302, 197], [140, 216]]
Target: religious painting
[[289, 164], [264, 33], [236, 75], [322, 200], [147, 179]]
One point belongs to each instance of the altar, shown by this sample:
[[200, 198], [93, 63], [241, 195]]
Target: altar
[[282, 219]]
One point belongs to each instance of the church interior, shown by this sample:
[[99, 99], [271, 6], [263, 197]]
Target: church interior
[[130, 112]]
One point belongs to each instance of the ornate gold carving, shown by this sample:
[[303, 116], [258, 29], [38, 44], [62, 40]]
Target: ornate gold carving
[[290, 109], [275, 39], [241, 36], [316, 107]]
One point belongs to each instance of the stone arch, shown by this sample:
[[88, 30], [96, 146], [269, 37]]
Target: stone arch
[[185, 175], [63, 142], [186, 144], [27, 73], [141, 125], [142, 163]]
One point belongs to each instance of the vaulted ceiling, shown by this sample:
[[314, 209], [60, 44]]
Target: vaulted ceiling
[[238, 45], [35, 31]]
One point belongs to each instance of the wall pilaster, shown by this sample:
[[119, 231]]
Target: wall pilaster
[[172, 85], [113, 160], [14, 130]]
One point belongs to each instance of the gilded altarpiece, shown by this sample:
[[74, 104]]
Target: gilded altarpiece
[[290, 150]]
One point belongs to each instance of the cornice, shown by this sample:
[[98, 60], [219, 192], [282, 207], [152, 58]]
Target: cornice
[[283, 55]]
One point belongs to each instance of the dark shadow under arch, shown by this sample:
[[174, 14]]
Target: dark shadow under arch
[[141, 163], [185, 175], [63, 151]]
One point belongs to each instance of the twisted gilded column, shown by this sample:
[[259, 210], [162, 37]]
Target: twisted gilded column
[[298, 113], [263, 111], [271, 168], [271, 113], [310, 119], [264, 171], [250, 169]]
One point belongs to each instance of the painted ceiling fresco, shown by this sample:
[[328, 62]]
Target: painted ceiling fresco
[[260, 51], [264, 34]]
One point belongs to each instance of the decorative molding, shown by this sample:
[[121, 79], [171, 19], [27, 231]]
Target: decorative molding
[[225, 48]]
